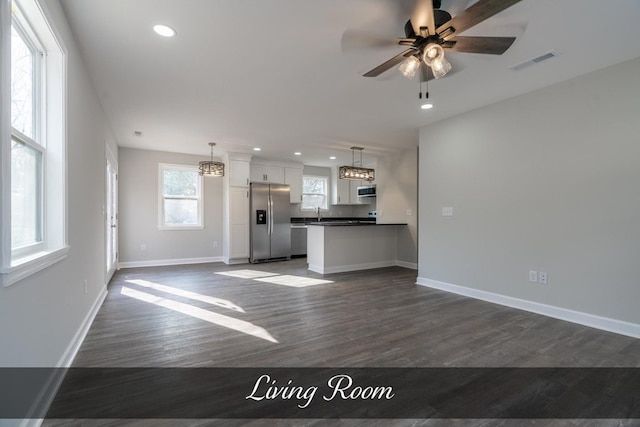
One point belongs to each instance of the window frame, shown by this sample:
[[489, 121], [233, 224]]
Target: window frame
[[38, 116], [32, 21], [39, 245], [161, 197], [325, 206]]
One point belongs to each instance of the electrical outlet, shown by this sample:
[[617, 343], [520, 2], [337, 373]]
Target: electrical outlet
[[409, 212], [215, 244], [143, 247], [533, 276], [542, 277], [86, 286]]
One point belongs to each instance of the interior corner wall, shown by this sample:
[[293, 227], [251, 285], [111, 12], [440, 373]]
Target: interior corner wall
[[397, 189], [547, 181], [42, 316], [138, 212]]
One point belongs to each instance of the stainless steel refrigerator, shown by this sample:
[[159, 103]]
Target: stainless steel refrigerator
[[270, 222]]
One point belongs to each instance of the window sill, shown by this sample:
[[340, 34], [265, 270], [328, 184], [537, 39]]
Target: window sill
[[193, 227], [29, 265]]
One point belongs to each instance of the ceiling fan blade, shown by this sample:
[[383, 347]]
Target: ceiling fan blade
[[356, 39], [487, 45], [475, 14], [390, 63], [422, 16]]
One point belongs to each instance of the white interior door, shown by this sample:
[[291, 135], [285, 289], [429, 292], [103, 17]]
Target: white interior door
[[111, 219]]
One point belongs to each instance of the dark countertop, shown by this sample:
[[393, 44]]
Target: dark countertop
[[313, 220], [349, 223]]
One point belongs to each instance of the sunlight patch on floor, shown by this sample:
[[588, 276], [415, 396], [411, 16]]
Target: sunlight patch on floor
[[294, 281], [188, 294], [277, 279], [199, 313], [247, 274]]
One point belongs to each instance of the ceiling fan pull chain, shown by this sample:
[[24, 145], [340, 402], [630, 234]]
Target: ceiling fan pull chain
[[426, 92]]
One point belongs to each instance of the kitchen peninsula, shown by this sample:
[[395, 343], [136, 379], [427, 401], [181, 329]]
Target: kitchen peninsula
[[338, 246]]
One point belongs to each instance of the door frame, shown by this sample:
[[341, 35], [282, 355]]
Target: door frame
[[110, 213]]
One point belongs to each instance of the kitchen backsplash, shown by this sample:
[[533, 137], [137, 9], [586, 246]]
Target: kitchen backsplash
[[337, 211]]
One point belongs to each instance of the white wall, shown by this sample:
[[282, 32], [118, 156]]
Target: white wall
[[138, 212], [397, 189], [547, 181], [41, 316]]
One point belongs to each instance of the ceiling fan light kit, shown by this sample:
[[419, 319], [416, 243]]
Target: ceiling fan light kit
[[440, 67], [356, 172], [432, 53], [431, 30], [211, 167], [410, 67]]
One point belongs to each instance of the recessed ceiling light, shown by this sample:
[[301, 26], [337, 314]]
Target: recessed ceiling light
[[164, 30], [257, 149], [297, 153], [332, 158], [426, 106]]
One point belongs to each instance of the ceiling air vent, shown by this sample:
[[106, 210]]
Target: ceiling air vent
[[536, 60]]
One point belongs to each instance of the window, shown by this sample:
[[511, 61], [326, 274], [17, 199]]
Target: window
[[32, 143], [315, 190], [26, 141], [180, 204]]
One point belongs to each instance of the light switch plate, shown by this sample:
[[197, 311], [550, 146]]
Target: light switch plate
[[447, 211]]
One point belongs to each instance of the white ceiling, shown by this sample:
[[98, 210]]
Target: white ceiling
[[273, 74]]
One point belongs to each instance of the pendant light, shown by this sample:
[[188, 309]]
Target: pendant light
[[209, 167], [356, 172]]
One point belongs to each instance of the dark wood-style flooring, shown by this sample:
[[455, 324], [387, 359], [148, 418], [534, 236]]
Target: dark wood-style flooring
[[274, 315]]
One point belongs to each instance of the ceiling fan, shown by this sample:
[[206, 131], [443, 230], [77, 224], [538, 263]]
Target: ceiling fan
[[431, 30]]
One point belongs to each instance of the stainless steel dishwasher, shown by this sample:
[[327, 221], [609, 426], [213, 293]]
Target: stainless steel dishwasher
[[298, 240]]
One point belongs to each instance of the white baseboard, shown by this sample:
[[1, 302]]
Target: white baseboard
[[358, 267], [233, 261], [165, 262], [72, 349], [351, 267], [48, 393], [411, 265], [594, 321]]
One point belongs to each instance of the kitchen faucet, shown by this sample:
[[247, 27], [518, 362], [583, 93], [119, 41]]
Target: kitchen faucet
[[319, 214]]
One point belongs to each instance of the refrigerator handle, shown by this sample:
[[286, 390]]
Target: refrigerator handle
[[270, 205]]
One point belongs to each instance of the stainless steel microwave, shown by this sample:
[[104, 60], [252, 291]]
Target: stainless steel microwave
[[367, 191]]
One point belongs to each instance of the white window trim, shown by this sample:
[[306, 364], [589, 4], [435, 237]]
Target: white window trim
[[326, 195], [161, 226], [14, 268]]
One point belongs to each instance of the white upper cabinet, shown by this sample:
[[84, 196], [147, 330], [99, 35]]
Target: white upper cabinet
[[293, 177], [238, 173], [267, 173], [340, 189]]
